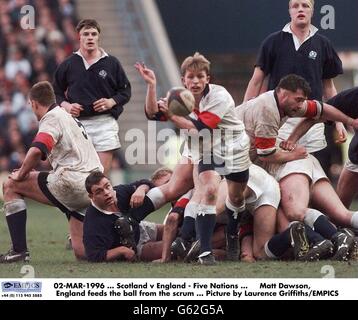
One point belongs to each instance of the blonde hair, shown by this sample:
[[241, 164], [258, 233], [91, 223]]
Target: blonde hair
[[159, 173], [311, 2], [196, 62]]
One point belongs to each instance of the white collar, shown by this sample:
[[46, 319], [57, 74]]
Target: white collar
[[87, 65], [296, 41], [101, 210]]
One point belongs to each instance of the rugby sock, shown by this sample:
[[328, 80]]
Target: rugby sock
[[312, 236], [319, 223], [278, 244], [16, 215], [141, 212], [354, 220], [188, 227], [233, 213], [206, 223]]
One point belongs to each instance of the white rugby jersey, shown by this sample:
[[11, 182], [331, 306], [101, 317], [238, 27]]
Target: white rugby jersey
[[217, 111], [262, 120], [63, 140], [314, 139]]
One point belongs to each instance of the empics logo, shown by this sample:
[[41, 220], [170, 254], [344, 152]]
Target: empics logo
[[17, 286]]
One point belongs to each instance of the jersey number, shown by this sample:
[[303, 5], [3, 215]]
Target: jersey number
[[84, 133]]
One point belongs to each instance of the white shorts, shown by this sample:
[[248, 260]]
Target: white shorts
[[265, 189], [103, 131], [309, 166], [66, 190], [148, 232], [351, 166]]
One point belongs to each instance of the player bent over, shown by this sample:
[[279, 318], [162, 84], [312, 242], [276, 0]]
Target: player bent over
[[295, 170], [63, 140]]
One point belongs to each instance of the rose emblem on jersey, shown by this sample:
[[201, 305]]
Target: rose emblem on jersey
[[313, 55], [103, 74]]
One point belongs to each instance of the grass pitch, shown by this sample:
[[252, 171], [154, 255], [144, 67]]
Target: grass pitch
[[47, 230]]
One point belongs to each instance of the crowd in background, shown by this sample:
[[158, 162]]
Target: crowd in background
[[26, 57]]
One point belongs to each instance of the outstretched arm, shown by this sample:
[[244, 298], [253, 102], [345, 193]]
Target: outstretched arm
[[148, 75]]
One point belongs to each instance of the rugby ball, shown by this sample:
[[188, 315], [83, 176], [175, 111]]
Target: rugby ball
[[181, 101]]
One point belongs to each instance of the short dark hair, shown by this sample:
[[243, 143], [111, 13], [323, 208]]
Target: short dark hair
[[93, 178], [293, 82], [87, 24], [43, 93]]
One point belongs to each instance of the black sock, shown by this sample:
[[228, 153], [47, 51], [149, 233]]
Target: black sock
[[279, 243], [141, 212], [206, 225], [324, 227], [312, 236], [233, 222], [187, 231], [17, 227]]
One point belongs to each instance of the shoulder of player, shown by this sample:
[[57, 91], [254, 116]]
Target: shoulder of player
[[275, 36], [266, 107], [56, 114], [113, 59], [218, 92]]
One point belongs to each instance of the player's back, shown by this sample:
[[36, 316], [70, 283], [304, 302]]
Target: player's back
[[73, 149]]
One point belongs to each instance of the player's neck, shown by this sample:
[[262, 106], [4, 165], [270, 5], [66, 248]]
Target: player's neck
[[301, 32], [91, 54]]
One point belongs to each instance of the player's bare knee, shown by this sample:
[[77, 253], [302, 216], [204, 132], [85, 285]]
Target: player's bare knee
[[8, 187], [237, 200], [173, 219], [296, 215], [210, 192], [79, 252]]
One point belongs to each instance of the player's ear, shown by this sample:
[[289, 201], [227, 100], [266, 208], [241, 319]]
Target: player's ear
[[183, 81]]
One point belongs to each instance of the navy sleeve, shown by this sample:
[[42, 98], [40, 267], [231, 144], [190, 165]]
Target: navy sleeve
[[332, 65], [60, 82], [124, 90], [353, 149], [124, 193], [265, 58]]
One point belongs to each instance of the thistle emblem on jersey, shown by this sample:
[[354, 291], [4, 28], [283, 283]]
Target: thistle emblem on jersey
[[103, 74], [313, 55]]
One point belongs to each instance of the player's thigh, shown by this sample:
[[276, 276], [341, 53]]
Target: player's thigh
[[76, 232], [106, 158], [28, 188], [222, 194], [180, 182], [295, 192], [151, 250], [347, 186]]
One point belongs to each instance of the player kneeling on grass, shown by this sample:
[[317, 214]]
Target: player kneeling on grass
[[62, 140], [262, 196], [114, 228]]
